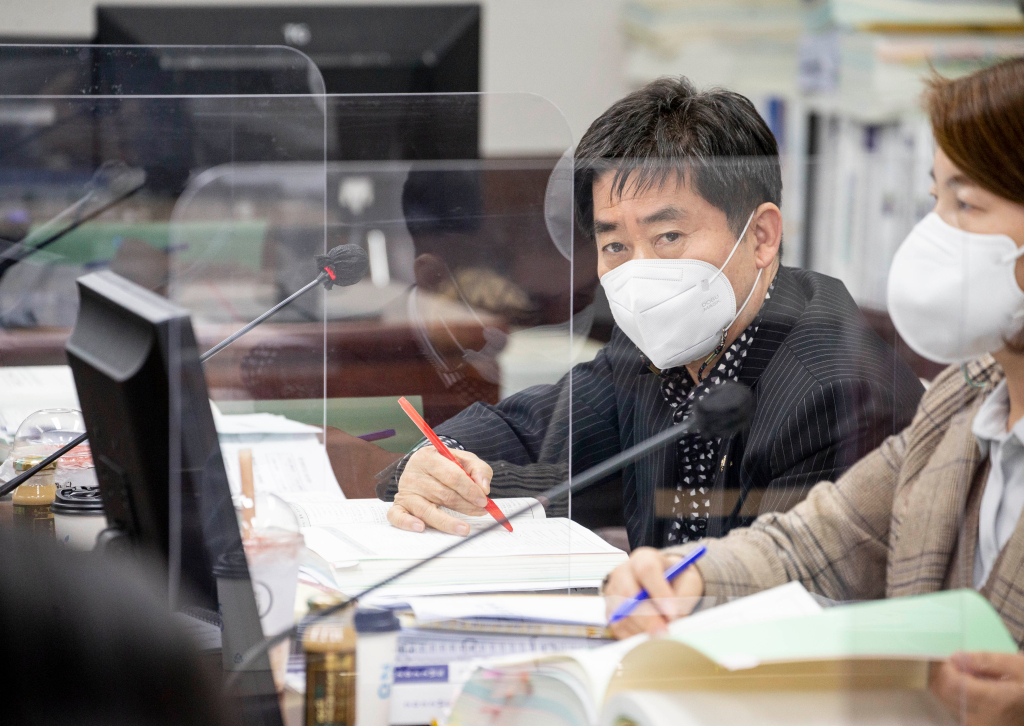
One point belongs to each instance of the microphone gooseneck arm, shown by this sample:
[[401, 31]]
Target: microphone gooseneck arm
[[242, 331], [21, 251], [331, 273], [724, 411]]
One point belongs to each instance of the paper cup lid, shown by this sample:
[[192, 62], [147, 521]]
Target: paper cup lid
[[85, 500]]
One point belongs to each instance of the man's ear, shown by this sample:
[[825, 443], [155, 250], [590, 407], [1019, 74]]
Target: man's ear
[[767, 230]]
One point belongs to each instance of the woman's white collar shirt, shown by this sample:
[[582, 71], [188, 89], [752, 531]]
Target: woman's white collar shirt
[[1003, 498]]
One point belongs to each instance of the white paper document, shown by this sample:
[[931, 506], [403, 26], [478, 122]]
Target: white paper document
[[289, 467], [27, 389], [315, 511], [529, 538], [259, 424]]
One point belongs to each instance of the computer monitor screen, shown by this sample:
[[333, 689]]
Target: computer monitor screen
[[357, 49], [158, 461]]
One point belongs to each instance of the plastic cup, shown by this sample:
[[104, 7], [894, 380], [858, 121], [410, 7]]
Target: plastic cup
[[273, 557], [78, 517]]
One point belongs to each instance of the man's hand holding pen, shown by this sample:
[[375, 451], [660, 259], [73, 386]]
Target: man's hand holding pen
[[431, 481]]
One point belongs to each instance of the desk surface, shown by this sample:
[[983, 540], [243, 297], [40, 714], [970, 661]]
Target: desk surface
[[355, 359]]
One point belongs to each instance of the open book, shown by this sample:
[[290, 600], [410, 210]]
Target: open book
[[777, 640], [540, 554]]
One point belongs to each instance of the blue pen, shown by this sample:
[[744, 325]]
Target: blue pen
[[671, 573]]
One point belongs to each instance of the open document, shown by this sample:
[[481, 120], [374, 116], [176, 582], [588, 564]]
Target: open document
[[775, 641]]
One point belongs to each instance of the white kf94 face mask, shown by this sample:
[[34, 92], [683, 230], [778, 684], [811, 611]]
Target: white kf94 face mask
[[952, 295], [675, 311]]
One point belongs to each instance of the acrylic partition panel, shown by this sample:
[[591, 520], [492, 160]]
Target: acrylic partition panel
[[474, 291], [100, 146]]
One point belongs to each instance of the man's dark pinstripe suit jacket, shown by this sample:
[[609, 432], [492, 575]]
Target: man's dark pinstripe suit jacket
[[827, 391]]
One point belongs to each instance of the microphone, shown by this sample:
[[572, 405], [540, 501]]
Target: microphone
[[725, 411], [343, 266]]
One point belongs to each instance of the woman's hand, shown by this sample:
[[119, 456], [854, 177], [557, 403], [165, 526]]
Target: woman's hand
[[430, 481], [982, 689], [646, 569]]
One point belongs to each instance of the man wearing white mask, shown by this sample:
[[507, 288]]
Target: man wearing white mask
[[680, 191], [938, 506]]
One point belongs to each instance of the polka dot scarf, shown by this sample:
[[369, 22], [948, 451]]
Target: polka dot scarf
[[696, 456]]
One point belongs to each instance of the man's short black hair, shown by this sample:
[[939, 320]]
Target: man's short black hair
[[668, 127]]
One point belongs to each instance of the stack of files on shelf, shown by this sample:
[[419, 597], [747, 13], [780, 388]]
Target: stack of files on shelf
[[878, 76], [871, 186], [776, 642], [540, 554], [869, 57], [662, 25], [915, 14], [749, 46]]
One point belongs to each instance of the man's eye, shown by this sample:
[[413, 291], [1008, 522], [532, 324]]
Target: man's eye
[[962, 205], [671, 236], [614, 247]]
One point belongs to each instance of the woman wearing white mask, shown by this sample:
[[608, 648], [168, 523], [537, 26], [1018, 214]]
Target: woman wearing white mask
[[938, 506]]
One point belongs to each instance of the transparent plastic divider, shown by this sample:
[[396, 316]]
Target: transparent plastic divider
[[479, 288], [99, 145]]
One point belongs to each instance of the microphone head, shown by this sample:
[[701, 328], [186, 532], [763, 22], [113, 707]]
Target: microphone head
[[725, 411], [345, 264]]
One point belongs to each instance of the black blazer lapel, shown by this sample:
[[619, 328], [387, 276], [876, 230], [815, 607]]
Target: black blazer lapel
[[653, 416], [778, 316]]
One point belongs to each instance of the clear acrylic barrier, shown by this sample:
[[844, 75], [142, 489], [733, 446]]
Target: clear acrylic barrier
[[477, 302], [220, 204]]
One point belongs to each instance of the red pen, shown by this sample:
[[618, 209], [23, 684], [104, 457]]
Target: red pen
[[492, 508]]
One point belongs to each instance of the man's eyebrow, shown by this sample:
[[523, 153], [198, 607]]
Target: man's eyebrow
[[604, 227], [666, 214]]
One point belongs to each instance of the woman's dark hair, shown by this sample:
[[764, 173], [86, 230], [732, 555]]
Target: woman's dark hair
[[716, 138], [978, 121]]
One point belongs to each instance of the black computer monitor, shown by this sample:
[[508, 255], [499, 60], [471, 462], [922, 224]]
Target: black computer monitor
[[158, 460], [358, 49]]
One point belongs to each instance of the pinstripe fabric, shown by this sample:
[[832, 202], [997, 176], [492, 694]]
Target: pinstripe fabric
[[902, 521], [827, 391]]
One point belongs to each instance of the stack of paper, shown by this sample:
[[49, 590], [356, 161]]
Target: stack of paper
[[287, 456], [540, 554], [543, 615]]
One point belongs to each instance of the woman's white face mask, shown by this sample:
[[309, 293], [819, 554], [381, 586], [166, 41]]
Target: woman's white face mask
[[675, 311], [953, 295]]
